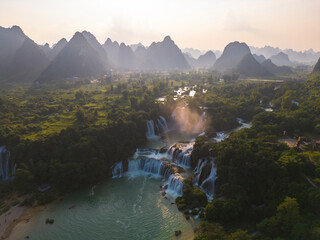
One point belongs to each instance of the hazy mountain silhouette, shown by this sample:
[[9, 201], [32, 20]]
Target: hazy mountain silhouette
[[126, 58], [135, 46], [204, 61], [306, 57], [56, 48], [260, 58], [317, 67], [112, 50], [276, 70], [96, 46], [83, 56], [190, 60], [45, 48], [195, 53], [164, 55], [281, 59], [266, 51], [77, 59], [140, 53], [11, 39], [249, 66], [27, 64], [232, 54]]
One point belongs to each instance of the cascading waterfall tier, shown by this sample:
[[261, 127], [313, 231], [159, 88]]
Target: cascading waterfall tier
[[208, 184], [156, 128], [198, 171], [174, 185], [223, 135], [181, 154], [6, 171], [152, 163], [144, 165]]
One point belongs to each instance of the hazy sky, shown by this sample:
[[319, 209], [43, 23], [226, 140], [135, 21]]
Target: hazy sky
[[202, 24]]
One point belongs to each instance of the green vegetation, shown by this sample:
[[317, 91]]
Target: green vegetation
[[70, 135], [262, 185]]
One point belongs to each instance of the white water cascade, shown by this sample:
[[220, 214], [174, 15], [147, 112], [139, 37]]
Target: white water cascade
[[174, 185], [223, 135], [5, 165], [144, 165], [150, 130], [181, 154], [156, 128], [198, 170], [208, 184], [117, 170]]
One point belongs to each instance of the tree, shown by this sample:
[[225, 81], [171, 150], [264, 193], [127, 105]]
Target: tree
[[288, 215], [134, 102], [80, 115], [282, 224], [79, 95], [239, 235]]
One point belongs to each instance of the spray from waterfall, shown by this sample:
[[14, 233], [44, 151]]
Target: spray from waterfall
[[186, 120]]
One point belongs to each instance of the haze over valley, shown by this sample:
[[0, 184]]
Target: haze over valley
[[160, 120]]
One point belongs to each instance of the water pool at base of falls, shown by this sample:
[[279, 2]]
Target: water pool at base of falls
[[128, 206], [131, 205], [121, 208]]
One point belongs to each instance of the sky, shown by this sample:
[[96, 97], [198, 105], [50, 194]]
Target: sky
[[200, 24]]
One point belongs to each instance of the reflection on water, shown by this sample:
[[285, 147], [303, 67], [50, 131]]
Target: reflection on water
[[121, 208]]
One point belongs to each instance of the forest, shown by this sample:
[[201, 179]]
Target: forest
[[70, 134]]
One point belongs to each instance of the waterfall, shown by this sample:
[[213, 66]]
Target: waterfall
[[175, 185], [220, 136], [156, 128], [243, 124], [208, 184], [143, 165], [223, 135], [117, 170], [198, 170], [181, 154], [150, 132], [4, 164]]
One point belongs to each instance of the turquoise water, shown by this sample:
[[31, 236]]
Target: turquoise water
[[130, 207], [122, 208]]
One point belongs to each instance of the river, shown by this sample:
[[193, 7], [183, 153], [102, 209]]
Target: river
[[132, 204], [130, 207]]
